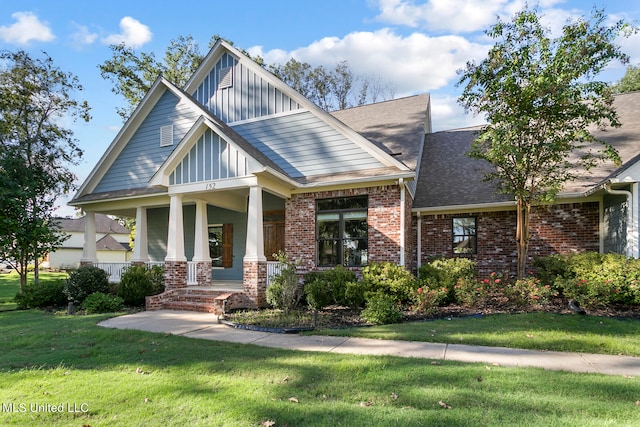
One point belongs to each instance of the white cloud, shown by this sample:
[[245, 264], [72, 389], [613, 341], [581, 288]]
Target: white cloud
[[134, 34], [82, 36], [27, 28], [417, 63]]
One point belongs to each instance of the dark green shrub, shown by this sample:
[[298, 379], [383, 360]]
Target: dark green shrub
[[391, 279], [84, 281], [98, 302], [446, 273], [323, 288], [381, 309], [48, 293], [355, 294], [284, 292], [138, 282]]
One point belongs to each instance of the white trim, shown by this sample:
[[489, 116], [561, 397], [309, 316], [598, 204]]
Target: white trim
[[402, 220]]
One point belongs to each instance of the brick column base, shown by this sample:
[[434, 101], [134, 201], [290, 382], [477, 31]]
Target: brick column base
[[86, 263], [203, 273], [175, 274], [254, 282]]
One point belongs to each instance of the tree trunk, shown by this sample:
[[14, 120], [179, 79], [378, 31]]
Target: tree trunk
[[522, 236]]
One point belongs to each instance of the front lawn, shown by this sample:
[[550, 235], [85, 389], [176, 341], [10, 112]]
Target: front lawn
[[101, 377], [10, 285]]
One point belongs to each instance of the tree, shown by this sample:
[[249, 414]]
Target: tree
[[630, 82], [35, 152], [330, 90], [540, 95]]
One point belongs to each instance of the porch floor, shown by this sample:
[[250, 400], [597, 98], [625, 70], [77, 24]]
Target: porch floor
[[221, 285]]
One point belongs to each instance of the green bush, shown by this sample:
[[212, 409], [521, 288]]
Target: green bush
[[84, 281], [98, 302], [472, 292], [47, 293], [447, 272], [593, 279], [284, 292], [355, 294], [329, 287], [381, 309], [426, 300], [390, 279], [138, 282], [528, 292]]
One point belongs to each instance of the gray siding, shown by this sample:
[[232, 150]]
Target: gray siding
[[615, 224], [303, 145], [249, 97], [142, 156], [210, 158]]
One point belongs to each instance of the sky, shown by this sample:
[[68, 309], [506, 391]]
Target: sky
[[412, 46]]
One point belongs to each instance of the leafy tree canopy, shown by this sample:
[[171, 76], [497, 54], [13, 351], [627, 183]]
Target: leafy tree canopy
[[630, 82], [36, 151], [540, 96]]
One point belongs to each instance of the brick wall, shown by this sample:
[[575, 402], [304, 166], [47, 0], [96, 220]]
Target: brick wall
[[565, 228], [383, 219]]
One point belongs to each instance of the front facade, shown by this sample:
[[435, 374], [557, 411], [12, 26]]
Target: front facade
[[236, 166]]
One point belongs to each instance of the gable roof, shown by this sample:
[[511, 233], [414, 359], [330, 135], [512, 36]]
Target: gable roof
[[450, 179], [108, 243]]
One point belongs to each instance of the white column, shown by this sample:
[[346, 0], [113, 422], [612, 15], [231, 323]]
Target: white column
[[140, 246], [175, 238], [201, 238], [89, 247], [255, 232], [633, 237]]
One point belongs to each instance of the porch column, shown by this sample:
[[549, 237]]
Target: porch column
[[201, 254], [89, 256], [254, 262], [175, 266], [140, 246]]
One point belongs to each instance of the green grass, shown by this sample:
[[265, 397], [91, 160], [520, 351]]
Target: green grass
[[536, 331], [134, 378], [10, 285]]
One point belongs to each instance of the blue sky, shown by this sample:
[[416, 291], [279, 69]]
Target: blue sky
[[413, 46]]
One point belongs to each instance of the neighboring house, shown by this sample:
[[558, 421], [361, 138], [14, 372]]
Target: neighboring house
[[236, 165], [112, 242]]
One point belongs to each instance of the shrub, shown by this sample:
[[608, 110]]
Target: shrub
[[472, 292], [381, 309], [355, 294], [84, 281], [47, 293], [98, 302], [138, 282], [323, 288], [528, 291], [284, 292], [391, 279], [447, 272], [427, 299]]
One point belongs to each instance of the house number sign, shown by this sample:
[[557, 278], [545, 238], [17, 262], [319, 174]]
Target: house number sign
[[210, 185]]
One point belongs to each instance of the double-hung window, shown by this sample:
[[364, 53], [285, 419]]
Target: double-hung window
[[464, 235], [342, 231]]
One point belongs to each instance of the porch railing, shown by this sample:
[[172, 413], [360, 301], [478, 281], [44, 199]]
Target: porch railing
[[115, 270]]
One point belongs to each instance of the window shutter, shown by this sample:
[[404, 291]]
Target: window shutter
[[227, 245]]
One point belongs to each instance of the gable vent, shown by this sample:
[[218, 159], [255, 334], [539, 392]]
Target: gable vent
[[166, 136], [225, 77]]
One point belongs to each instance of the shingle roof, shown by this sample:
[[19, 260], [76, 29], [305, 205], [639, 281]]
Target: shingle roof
[[448, 177], [108, 243], [397, 126], [104, 224]]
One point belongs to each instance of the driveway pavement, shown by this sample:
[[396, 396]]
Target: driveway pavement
[[206, 326]]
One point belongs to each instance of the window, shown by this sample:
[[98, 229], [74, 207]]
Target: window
[[464, 235], [342, 231], [221, 245]]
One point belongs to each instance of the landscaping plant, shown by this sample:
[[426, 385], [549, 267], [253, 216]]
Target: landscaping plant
[[138, 282], [84, 281]]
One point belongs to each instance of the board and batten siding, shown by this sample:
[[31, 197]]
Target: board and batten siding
[[248, 97], [210, 158], [143, 155], [304, 145]]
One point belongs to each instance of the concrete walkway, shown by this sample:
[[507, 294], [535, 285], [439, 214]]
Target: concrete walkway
[[206, 326]]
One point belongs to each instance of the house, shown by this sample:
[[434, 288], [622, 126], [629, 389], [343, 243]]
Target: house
[[236, 166], [112, 242]]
